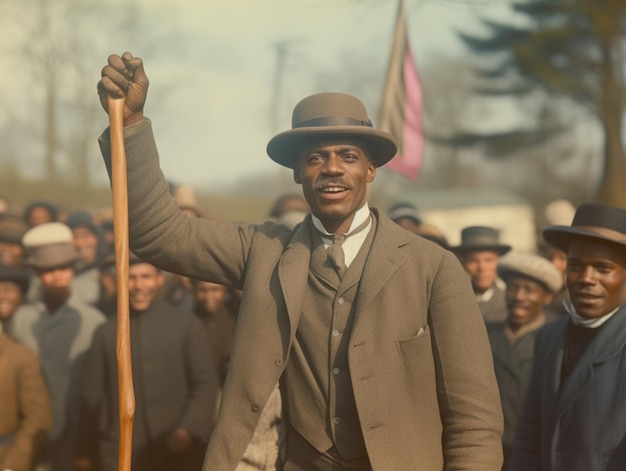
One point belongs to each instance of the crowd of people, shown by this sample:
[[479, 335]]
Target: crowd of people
[[332, 336], [57, 347]]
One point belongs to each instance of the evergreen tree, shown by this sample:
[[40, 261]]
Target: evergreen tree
[[572, 49]]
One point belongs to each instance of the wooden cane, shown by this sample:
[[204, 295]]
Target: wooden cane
[[126, 393]]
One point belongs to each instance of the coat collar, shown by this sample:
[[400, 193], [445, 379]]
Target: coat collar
[[609, 341]]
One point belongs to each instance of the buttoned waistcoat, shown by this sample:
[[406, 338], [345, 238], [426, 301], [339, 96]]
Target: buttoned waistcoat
[[419, 357]]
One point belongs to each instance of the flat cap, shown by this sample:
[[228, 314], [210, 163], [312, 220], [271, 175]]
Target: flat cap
[[531, 266], [49, 246]]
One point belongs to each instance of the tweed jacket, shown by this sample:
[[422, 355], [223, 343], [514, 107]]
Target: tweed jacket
[[419, 356], [579, 425], [25, 412]]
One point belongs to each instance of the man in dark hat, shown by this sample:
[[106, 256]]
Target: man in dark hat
[[574, 415], [374, 333], [479, 253], [531, 282]]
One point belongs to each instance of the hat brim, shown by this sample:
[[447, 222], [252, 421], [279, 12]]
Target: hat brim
[[500, 249], [284, 147], [562, 236], [53, 256]]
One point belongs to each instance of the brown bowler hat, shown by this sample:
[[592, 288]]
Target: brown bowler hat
[[480, 238], [591, 221], [330, 115]]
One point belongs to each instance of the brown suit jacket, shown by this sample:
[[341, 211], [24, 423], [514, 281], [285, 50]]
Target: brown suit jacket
[[25, 412], [419, 357]]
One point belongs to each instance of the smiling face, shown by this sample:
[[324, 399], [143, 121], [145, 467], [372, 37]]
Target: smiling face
[[596, 277], [10, 298], [334, 174], [144, 282], [525, 299]]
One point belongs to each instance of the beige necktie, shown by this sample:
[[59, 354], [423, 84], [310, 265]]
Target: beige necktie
[[336, 255], [335, 251]]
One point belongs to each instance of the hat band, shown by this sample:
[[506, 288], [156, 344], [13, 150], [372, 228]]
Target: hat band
[[333, 121], [604, 232]]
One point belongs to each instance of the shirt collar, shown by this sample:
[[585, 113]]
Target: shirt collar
[[359, 218]]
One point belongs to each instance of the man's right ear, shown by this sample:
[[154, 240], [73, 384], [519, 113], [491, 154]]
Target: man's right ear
[[296, 175]]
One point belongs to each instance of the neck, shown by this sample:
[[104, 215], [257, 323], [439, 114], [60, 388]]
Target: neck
[[54, 302]]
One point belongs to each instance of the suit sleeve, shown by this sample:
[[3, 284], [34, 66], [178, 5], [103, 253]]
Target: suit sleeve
[[468, 394], [163, 235], [200, 412], [35, 414], [526, 453]]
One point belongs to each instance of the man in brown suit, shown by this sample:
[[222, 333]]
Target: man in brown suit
[[25, 412], [381, 351]]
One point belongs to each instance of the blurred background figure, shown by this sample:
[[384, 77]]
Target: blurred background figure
[[406, 215], [479, 253], [5, 204], [559, 212], [531, 282], [60, 328], [88, 238], [40, 212], [107, 304], [13, 287], [218, 322], [289, 210], [12, 229], [176, 386], [25, 412]]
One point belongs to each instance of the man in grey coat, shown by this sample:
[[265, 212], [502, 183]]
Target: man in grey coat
[[574, 415], [373, 332]]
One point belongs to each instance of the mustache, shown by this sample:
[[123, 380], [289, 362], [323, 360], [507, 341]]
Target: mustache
[[332, 181]]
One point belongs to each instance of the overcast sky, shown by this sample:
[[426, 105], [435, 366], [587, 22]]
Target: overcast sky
[[213, 115]]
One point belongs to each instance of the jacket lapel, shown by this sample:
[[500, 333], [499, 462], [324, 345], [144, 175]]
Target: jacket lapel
[[384, 259], [293, 270]]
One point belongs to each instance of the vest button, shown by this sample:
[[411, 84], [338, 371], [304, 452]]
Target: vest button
[[341, 301], [278, 362], [336, 371], [255, 408], [336, 420]]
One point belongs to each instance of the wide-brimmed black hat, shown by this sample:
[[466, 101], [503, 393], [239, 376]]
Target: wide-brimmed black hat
[[330, 115], [591, 221], [480, 238]]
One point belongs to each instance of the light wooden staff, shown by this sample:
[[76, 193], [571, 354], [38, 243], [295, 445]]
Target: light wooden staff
[[122, 255]]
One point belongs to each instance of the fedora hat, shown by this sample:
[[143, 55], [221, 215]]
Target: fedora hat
[[481, 238], [330, 115], [591, 221], [531, 266]]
